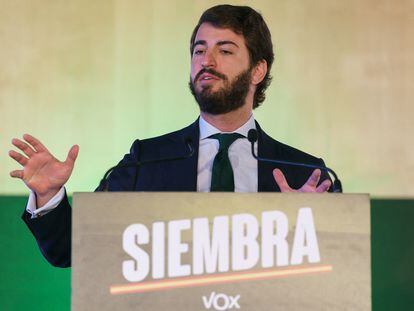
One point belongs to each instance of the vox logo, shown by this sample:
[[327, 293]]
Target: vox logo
[[221, 301]]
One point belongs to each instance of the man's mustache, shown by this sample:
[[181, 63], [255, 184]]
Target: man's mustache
[[210, 71]]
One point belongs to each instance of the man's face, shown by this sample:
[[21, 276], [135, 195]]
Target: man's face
[[220, 69]]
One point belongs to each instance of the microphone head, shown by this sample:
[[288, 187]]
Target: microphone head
[[188, 140], [252, 135]]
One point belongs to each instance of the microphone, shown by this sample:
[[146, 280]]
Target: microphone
[[336, 186], [103, 185]]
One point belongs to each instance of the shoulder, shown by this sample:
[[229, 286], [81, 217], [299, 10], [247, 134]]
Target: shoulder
[[166, 142], [296, 175], [272, 147], [189, 130]]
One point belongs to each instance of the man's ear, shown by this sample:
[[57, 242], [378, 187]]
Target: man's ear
[[259, 72]]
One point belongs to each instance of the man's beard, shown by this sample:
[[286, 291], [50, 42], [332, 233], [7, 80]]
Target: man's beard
[[228, 98]]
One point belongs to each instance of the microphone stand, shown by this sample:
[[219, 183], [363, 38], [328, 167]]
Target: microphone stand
[[336, 185], [103, 185]]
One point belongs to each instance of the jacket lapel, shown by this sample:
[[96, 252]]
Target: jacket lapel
[[266, 149], [181, 175]]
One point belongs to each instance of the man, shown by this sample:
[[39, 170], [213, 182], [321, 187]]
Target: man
[[231, 58]]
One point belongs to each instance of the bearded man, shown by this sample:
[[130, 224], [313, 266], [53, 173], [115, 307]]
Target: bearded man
[[231, 58]]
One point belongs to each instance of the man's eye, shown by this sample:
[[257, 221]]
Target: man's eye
[[198, 52], [226, 52]]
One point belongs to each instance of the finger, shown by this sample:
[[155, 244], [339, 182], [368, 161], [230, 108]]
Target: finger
[[18, 157], [38, 146], [281, 181], [324, 186], [23, 147], [72, 155], [17, 174], [314, 179]]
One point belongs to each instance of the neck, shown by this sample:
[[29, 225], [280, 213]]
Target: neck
[[228, 122]]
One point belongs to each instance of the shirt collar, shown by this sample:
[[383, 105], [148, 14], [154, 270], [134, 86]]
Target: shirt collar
[[206, 129]]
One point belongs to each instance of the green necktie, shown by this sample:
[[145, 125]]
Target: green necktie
[[222, 178]]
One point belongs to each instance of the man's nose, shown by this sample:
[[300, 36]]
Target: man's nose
[[209, 60]]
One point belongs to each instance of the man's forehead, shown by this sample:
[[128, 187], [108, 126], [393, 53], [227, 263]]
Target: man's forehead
[[209, 35]]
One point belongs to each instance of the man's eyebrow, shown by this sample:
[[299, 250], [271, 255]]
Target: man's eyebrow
[[224, 42], [200, 42]]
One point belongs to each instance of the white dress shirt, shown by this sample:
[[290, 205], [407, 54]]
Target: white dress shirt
[[243, 164], [32, 209], [240, 155]]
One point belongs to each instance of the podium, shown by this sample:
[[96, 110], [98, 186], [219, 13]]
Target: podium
[[220, 251]]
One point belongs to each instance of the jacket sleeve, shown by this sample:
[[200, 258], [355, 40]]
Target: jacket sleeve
[[52, 232]]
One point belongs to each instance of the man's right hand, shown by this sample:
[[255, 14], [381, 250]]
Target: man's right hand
[[42, 172]]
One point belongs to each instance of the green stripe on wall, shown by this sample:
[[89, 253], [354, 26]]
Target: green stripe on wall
[[28, 282], [392, 249]]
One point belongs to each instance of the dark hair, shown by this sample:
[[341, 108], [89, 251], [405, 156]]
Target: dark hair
[[245, 21]]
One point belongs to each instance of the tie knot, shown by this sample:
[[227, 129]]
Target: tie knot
[[225, 140]]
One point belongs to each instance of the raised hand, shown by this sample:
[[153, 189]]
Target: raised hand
[[310, 186], [42, 172]]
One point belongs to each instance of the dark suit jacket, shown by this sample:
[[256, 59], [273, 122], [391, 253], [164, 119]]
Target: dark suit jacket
[[53, 230]]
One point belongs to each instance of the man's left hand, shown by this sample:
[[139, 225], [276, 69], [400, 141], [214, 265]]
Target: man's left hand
[[310, 186]]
